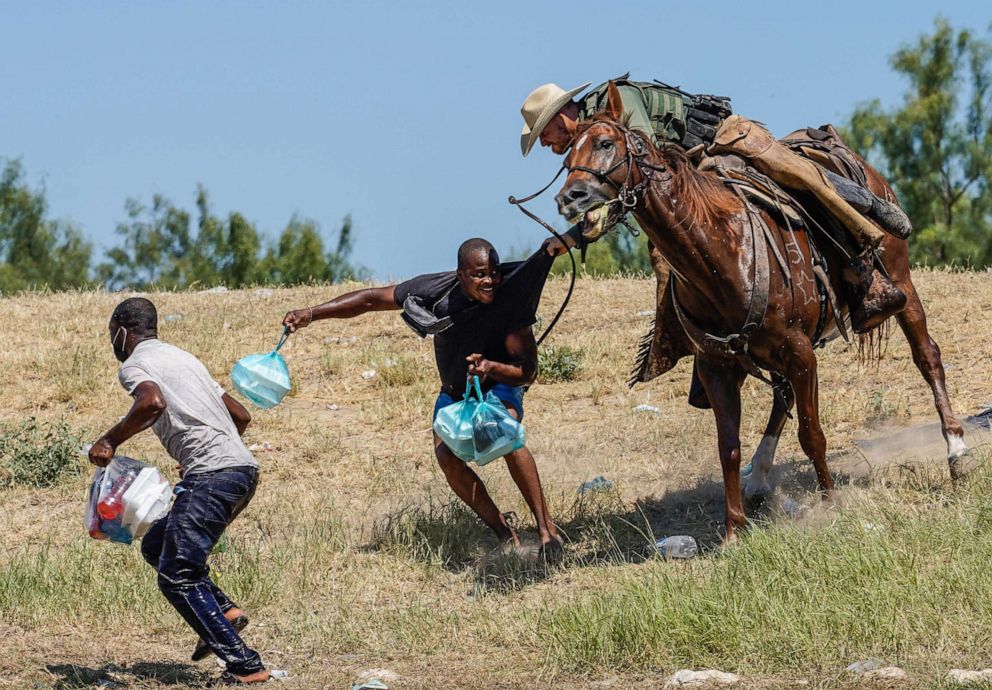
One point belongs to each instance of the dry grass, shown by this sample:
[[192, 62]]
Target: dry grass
[[352, 556]]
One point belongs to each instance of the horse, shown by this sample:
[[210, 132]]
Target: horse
[[714, 244]]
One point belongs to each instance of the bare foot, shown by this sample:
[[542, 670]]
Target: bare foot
[[252, 678]]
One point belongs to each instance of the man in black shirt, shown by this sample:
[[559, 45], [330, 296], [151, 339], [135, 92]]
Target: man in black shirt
[[481, 317]]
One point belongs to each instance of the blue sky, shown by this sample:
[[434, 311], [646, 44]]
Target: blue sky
[[405, 115]]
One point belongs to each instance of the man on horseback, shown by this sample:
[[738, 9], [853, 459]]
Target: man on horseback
[[703, 124]]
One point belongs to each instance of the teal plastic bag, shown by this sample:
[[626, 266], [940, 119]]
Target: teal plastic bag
[[494, 432], [264, 378], [479, 429], [454, 423]]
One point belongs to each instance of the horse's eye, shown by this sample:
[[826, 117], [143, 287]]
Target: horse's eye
[[606, 145]]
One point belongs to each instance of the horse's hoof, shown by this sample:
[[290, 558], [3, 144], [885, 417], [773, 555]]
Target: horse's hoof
[[962, 464]]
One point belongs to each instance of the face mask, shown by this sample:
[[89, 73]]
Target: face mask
[[120, 354]]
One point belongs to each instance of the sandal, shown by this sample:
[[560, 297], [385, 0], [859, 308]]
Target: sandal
[[228, 678], [202, 649]]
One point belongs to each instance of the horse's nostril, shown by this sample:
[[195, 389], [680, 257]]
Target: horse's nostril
[[576, 195]]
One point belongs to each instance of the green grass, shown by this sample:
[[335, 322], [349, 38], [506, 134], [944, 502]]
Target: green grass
[[884, 577]]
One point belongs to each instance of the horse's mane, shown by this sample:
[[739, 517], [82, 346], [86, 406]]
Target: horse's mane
[[707, 200]]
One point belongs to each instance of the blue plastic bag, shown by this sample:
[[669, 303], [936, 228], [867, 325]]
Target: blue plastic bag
[[454, 424], [479, 429], [494, 432], [264, 378]]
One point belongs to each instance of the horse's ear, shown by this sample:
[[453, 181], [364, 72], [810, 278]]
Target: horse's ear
[[614, 104], [571, 126]]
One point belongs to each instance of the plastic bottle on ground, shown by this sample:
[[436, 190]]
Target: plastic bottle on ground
[[681, 546]]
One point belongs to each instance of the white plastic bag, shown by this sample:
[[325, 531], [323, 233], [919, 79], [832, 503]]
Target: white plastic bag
[[125, 498]]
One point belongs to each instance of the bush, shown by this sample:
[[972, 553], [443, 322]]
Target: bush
[[559, 363], [38, 454]]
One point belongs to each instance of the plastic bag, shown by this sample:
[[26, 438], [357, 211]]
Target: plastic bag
[[479, 429], [125, 498], [454, 424], [494, 432], [264, 378]]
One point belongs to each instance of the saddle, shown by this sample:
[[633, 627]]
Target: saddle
[[666, 341]]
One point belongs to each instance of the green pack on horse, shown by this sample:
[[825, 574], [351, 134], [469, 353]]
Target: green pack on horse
[[754, 274]]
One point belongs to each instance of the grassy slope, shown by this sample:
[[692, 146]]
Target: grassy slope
[[352, 557]]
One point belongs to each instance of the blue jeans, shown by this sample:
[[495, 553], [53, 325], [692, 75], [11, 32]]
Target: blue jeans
[[177, 547], [512, 397]]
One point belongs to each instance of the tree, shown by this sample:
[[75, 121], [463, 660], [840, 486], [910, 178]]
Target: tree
[[299, 257], [156, 250], [161, 249], [936, 146], [36, 251]]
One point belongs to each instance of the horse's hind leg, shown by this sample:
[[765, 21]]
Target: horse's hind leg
[[759, 484], [801, 372], [926, 356]]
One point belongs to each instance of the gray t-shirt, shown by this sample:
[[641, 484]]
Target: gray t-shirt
[[196, 428]]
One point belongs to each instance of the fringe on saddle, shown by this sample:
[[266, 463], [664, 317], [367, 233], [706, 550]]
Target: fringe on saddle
[[665, 343]]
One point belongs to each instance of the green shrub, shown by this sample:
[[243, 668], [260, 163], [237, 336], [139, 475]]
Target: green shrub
[[559, 363], [38, 454]]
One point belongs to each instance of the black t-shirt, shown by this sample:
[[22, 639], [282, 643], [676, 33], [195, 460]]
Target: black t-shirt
[[480, 327]]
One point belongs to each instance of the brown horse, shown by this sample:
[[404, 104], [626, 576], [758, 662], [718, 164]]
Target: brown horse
[[709, 238]]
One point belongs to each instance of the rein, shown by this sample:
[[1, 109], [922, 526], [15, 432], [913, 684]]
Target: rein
[[519, 203]]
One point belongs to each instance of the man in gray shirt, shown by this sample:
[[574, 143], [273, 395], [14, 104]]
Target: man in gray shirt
[[200, 426]]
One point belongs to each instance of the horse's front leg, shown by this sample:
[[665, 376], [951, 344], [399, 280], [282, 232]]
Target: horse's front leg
[[722, 381], [801, 372], [759, 485]]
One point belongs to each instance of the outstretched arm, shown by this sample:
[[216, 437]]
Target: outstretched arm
[[344, 307], [521, 370], [149, 404]]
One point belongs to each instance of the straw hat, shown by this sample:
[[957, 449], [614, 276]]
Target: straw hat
[[541, 105]]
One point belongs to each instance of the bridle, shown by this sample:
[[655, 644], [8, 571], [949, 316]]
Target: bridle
[[634, 157], [734, 345], [627, 196]]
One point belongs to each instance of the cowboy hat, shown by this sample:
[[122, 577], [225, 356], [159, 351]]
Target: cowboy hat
[[541, 105]]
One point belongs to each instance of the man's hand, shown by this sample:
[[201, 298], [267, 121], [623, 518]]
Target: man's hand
[[298, 318], [479, 366], [554, 246], [102, 452]]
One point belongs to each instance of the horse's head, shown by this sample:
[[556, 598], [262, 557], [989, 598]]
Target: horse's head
[[602, 175]]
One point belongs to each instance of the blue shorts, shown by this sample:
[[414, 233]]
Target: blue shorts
[[510, 396]]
